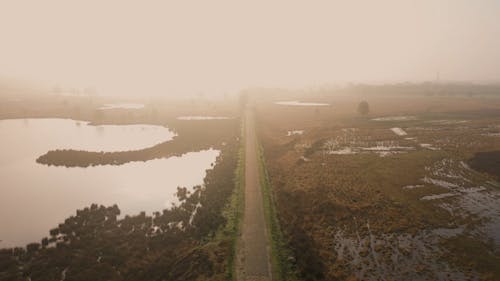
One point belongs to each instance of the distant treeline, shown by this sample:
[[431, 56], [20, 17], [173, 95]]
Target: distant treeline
[[191, 136], [176, 244], [428, 88]]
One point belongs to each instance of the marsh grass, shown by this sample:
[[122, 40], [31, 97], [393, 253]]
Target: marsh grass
[[233, 212], [281, 255], [330, 193]]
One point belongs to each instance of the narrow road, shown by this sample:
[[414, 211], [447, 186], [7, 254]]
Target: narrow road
[[253, 254]]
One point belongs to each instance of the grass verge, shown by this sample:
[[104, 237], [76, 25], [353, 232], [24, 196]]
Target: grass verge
[[281, 255], [233, 213]]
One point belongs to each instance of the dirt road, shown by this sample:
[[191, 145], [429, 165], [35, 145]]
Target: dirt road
[[253, 254]]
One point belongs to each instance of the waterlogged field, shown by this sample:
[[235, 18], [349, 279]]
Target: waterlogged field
[[408, 192]]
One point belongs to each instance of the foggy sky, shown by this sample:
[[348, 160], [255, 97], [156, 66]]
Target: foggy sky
[[177, 47]]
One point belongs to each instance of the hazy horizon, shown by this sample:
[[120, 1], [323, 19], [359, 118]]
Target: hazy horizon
[[279, 140], [173, 49]]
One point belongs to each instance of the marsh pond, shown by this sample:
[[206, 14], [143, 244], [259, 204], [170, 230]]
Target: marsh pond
[[37, 197]]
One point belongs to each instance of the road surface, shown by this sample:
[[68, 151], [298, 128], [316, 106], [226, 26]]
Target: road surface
[[253, 252]]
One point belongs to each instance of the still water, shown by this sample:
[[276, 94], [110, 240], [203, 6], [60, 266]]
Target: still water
[[300, 103], [122, 106], [34, 198]]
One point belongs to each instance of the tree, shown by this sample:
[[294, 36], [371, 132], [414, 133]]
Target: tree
[[363, 108], [32, 247]]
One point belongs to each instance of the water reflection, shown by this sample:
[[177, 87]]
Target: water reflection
[[80, 135], [35, 198], [121, 106], [300, 103]]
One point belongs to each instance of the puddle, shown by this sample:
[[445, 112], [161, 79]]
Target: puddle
[[440, 183], [348, 143], [388, 148], [492, 134], [388, 153], [305, 159], [294, 132], [395, 118], [413, 186], [428, 146], [343, 151], [121, 106], [399, 131], [448, 122], [299, 103], [202, 118], [438, 196]]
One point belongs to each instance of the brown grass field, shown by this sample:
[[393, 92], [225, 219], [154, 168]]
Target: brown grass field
[[359, 202]]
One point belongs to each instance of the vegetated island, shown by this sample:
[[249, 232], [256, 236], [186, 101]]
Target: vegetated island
[[191, 136], [191, 241]]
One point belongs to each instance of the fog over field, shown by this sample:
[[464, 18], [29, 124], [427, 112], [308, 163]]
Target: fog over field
[[173, 48], [274, 140]]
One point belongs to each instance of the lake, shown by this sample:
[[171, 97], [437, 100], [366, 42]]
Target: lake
[[35, 198]]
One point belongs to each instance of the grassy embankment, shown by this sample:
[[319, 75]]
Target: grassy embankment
[[281, 254], [233, 213]]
